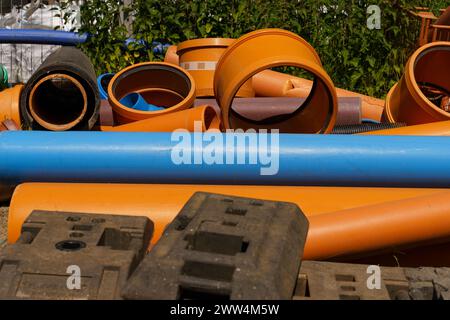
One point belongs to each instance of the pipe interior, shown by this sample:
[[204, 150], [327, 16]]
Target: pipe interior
[[161, 98], [58, 101], [431, 69], [105, 80], [209, 116], [160, 85], [310, 115]]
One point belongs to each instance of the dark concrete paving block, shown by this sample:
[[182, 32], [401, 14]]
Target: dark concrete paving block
[[224, 247], [341, 281], [64, 255]]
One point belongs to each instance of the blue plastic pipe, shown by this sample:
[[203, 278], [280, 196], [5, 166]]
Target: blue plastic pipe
[[106, 77], [63, 38], [136, 101], [38, 36], [168, 158]]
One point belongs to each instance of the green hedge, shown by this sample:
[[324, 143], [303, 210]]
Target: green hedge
[[359, 59]]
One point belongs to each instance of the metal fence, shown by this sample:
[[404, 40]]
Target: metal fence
[[21, 60]]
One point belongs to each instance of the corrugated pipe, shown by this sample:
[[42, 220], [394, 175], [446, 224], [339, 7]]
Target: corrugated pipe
[[62, 94], [441, 128], [365, 127], [215, 158]]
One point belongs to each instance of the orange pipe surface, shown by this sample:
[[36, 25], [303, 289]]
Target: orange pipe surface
[[377, 227], [9, 104], [161, 203], [406, 102], [270, 83], [200, 118], [265, 49], [162, 84], [171, 56], [199, 57], [441, 128]]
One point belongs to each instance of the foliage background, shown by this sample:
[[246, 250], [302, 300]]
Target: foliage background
[[356, 58]]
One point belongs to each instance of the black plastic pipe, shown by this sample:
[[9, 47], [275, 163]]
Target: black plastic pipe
[[62, 94]]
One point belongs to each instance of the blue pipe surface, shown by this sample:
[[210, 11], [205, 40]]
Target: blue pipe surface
[[155, 158], [38, 36], [103, 81], [63, 38]]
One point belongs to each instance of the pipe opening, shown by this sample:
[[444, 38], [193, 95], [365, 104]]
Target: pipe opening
[[105, 80], [209, 116], [295, 115], [161, 97], [431, 75], [58, 102], [160, 85]]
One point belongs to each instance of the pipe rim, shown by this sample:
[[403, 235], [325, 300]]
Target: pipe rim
[[263, 32], [270, 60], [203, 43], [332, 107], [10, 104], [51, 126], [387, 109], [411, 81], [137, 114]]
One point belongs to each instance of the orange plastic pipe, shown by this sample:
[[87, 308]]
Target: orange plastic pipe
[[9, 104], [380, 226], [161, 203], [199, 57], [171, 56], [162, 84], [441, 128], [186, 119], [265, 49], [270, 83], [406, 102], [443, 20]]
